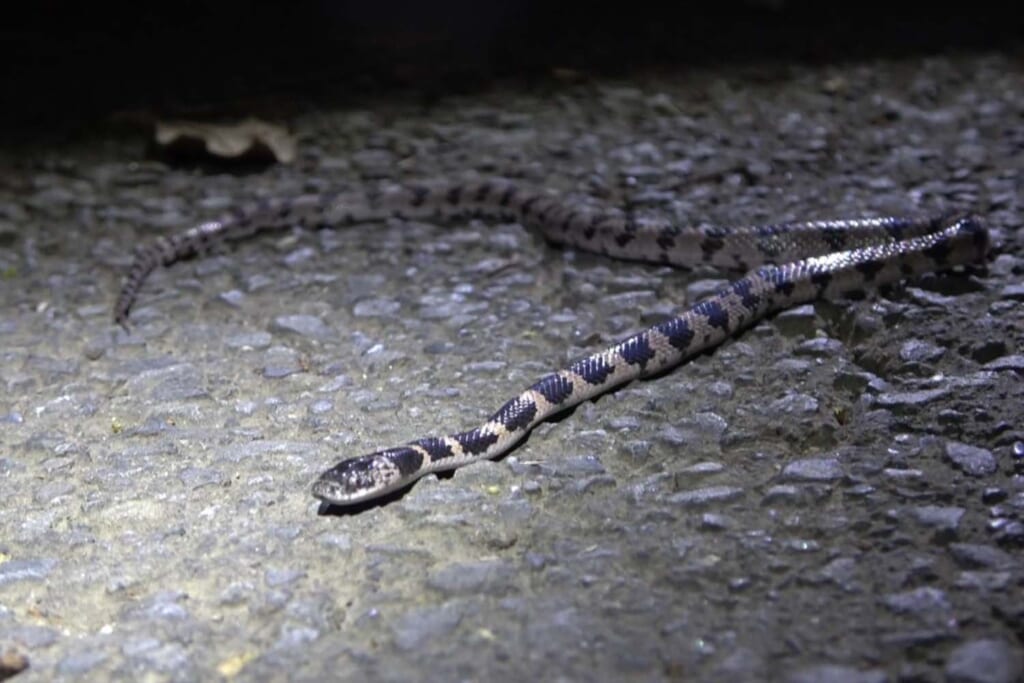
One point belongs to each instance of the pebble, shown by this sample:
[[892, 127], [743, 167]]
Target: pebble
[[79, 663], [275, 578], [977, 555], [917, 351], [179, 382], [250, 340], [308, 326], [490, 577], [793, 403], [378, 307], [834, 673], [908, 402], [977, 462], [819, 347], [424, 624], [26, 570], [938, 517], [705, 496], [813, 469], [196, 477], [919, 601], [985, 660], [1014, 363]]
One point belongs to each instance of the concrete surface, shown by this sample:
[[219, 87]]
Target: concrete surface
[[836, 495]]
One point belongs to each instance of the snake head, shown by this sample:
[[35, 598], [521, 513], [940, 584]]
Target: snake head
[[368, 476]]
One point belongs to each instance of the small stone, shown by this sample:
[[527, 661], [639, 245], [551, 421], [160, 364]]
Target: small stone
[[50, 491], [1013, 363], [797, 322], [706, 496], [1014, 292], [834, 673], [321, 406], [918, 601], [938, 517], [79, 663], [908, 402], [376, 308], [275, 578], [249, 340], [308, 326], [281, 362], [977, 462], [174, 383], [794, 404], [978, 555], [819, 347], [26, 570], [711, 521], [491, 577], [423, 624], [232, 297], [917, 351], [197, 477], [294, 637], [813, 469], [984, 661]]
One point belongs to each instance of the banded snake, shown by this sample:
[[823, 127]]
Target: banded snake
[[792, 263]]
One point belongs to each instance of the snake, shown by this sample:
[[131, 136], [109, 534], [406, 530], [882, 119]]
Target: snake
[[784, 264]]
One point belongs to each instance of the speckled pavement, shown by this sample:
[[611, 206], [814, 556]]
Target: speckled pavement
[[835, 495]]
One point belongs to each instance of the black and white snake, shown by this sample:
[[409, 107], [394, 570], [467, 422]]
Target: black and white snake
[[811, 259]]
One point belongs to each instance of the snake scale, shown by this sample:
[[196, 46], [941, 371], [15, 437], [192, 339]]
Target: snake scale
[[791, 263]]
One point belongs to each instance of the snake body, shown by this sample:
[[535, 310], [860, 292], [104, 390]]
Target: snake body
[[792, 263]]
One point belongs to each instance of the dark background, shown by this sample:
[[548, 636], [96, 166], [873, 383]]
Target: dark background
[[68, 65]]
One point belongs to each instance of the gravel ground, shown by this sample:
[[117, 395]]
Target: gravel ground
[[835, 495]]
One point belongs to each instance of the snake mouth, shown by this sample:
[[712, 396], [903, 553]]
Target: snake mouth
[[362, 478]]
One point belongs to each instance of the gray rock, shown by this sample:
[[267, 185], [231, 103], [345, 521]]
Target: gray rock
[[232, 297], [376, 308], [977, 462], [26, 570], [813, 469], [31, 637], [1014, 363], [793, 403], [984, 661], [918, 351], [274, 578], [819, 347], [834, 673], [196, 477], [250, 340], [281, 362], [308, 326], [493, 577], [977, 555], [1014, 292], [50, 491], [710, 495], [174, 383], [920, 601], [908, 402], [78, 663], [424, 624], [938, 517]]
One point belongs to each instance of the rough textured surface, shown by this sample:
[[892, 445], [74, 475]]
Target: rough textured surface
[[835, 495]]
